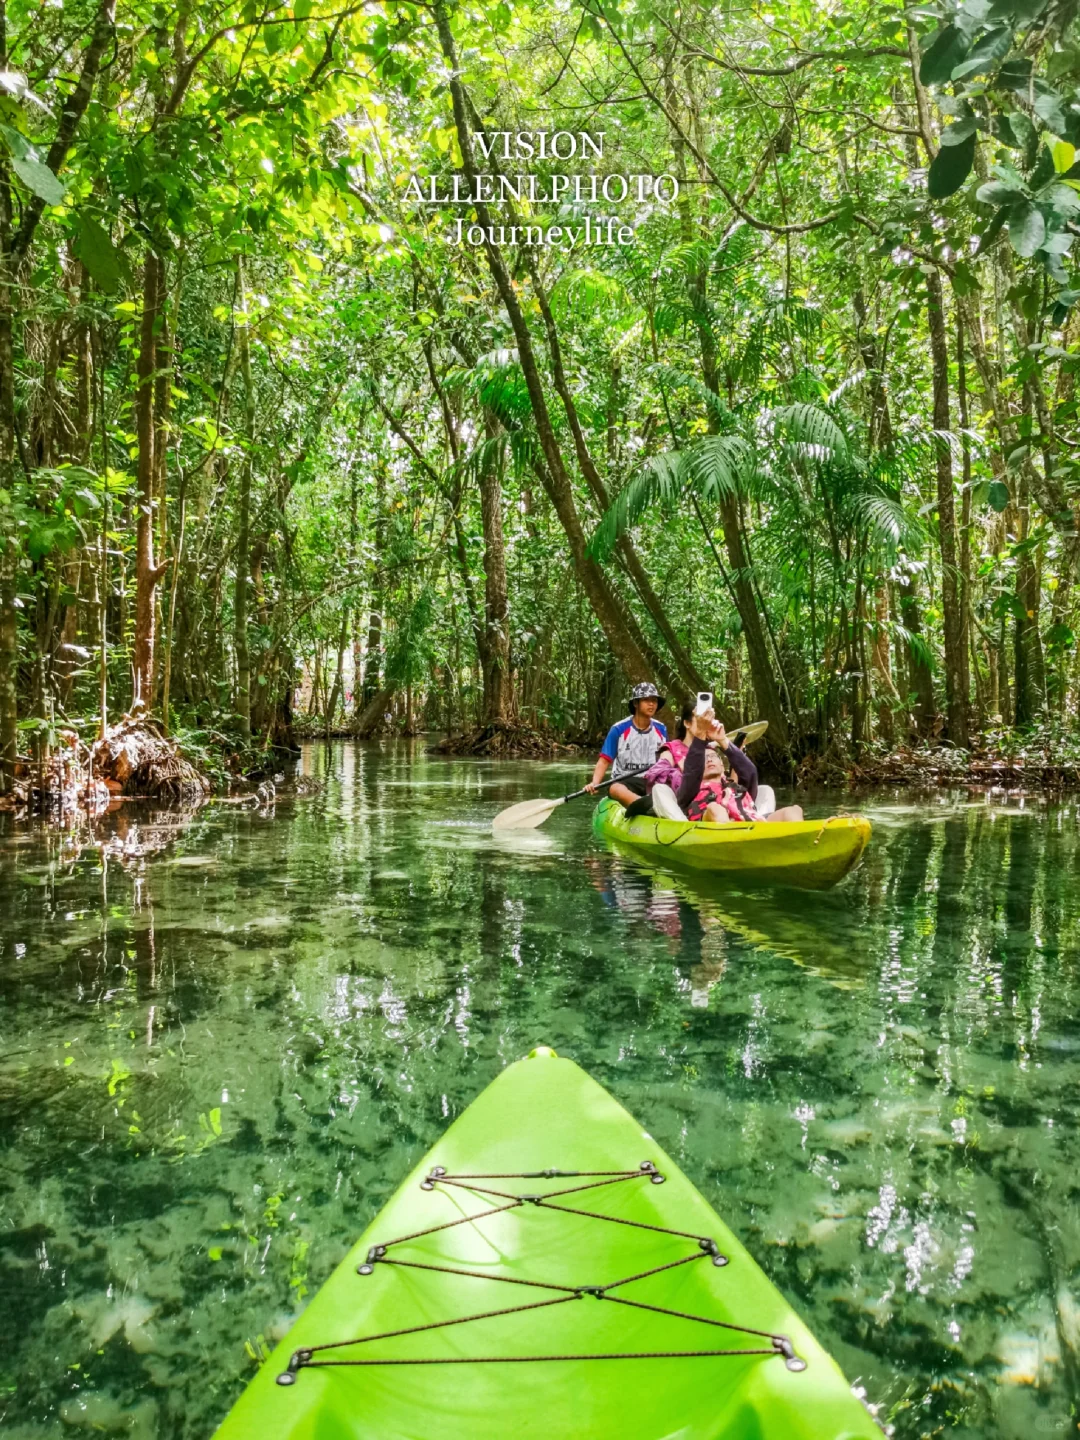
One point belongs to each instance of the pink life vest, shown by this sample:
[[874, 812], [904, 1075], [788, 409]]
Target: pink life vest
[[739, 806]]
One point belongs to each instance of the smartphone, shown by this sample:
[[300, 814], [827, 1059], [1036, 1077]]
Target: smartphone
[[704, 702]]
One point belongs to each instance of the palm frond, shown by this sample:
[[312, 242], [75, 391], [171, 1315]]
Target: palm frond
[[844, 386], [659, 482], [524, 450], [917, 645], [887, 521], [808, 425], [718, 465], [483, 458], [671, 380]]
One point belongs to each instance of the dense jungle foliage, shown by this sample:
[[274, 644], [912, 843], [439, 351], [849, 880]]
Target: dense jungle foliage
[[269, 435]]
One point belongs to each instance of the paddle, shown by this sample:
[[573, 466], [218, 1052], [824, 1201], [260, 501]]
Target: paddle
[[530, 814], [747, 734]]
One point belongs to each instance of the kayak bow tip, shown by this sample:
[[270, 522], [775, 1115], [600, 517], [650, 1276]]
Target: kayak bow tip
[[542, 1052]]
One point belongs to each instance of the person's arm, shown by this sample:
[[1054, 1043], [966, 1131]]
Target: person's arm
[[600, 769], [744, 768], [693, 770]]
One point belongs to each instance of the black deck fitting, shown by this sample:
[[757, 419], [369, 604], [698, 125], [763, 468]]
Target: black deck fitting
[[711, 1248], [783, 1346]]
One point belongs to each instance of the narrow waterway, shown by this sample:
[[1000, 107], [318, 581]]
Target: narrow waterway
[[217, 1062]]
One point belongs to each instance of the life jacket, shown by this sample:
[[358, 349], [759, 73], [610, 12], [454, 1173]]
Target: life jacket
[[735, 800]]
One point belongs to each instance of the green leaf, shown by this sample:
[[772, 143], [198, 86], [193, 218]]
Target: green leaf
[[955, 134], [1044, 168], [950, 168], [97, 253], [1051, 111], [19, 146], [1060, 636], [1015, 74], [1025, 132], [1063, 198], [40, 179], [985, 55], [1020, 12], [994, 192], [1058, 244], [1027, 229], [947, 49], [997, 495]]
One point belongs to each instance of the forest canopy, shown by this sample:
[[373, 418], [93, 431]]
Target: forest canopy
[[274, 428]]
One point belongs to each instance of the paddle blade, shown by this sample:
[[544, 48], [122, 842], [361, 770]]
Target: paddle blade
[[747, 734], [526, 816]]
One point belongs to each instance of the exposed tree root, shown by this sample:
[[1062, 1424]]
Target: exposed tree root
[[135, 758]]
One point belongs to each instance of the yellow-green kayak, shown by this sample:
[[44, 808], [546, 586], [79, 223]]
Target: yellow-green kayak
[[812, 854], [548, 1273]]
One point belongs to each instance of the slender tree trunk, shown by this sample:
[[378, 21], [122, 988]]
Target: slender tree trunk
[[965, 504], [1029, 685], [496, 655], [339, 672], [162, 407], [373, 645], [242, 703], [147, 573], [957, 680], [920, 679], [9, 553], [888, 699]]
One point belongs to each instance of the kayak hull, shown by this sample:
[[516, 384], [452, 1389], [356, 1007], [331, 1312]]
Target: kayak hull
[[810, 854], [480, 1378]]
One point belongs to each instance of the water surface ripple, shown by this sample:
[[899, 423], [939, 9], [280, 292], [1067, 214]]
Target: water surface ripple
[[216, 1062]]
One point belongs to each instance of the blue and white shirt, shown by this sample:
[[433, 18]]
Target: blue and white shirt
[[631, 748]]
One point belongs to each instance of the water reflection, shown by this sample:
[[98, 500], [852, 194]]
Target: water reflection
[[219, 1057]]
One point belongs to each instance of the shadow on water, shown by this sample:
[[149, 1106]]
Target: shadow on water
[[218, 1057]]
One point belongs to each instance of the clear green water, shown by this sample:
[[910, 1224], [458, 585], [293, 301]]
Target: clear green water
[[215, 1065]]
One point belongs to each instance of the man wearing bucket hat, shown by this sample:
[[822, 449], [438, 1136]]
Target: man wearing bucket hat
[[631, 744]]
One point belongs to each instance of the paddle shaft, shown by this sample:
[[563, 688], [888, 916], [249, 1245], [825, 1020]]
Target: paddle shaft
[[603, 784]]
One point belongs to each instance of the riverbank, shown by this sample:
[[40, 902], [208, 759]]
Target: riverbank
[[137, 760], [1042, 761]]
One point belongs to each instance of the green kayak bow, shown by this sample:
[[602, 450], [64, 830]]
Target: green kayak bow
[[548, 1271]]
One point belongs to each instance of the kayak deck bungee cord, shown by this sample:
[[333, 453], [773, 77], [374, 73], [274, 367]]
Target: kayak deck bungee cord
[[810, 854], [705, 1247], [546, 1186]]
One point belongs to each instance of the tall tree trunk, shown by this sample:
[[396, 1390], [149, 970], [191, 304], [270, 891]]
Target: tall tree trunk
[[965, 505], [242, 702], [9, 552], [957, 679], [920, 679], [163, 356], [496, 654], [147, 573], [373, 645], [597, 590], [888, 699], [1029, 692], [339, 672]]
